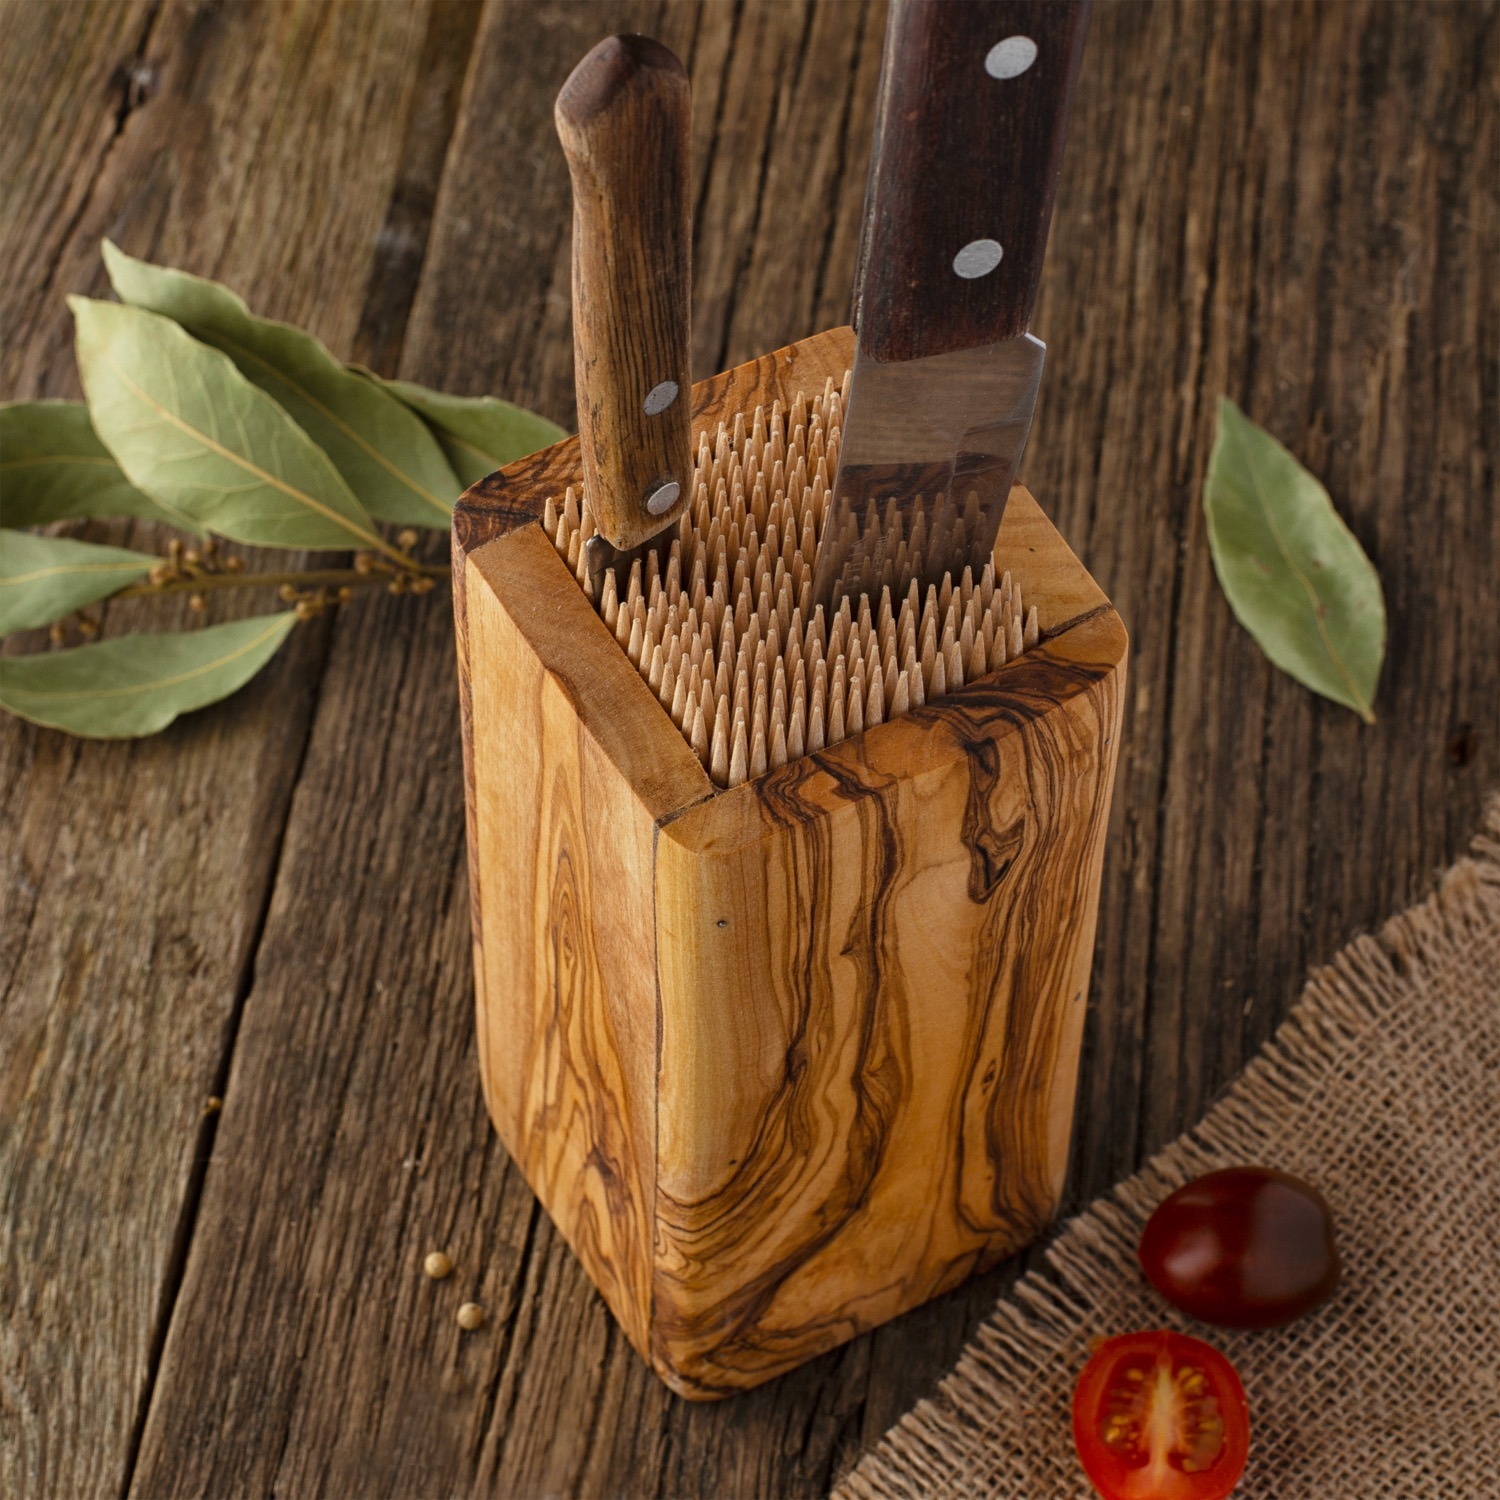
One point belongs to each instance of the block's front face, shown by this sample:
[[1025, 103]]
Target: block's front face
[[872, 974], [784, 1060]]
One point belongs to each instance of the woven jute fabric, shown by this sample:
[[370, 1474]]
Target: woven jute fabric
[[1383, 1089]]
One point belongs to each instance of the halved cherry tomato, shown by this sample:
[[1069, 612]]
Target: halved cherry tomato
[[1160, 1416]]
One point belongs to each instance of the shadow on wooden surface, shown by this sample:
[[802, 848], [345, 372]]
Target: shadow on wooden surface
[[1290, 204]]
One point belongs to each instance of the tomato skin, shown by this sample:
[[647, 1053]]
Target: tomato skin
[[1246, 1247], [1193, 1446]]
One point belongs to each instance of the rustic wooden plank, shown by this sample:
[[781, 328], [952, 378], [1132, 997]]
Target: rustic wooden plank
[[401, 244], [1198, 246], [136, 876], [73, 75], [354, 1136], [779, 214], [1332, 283]]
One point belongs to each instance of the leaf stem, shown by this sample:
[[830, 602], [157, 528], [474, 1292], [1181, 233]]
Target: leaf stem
[[202, 583]]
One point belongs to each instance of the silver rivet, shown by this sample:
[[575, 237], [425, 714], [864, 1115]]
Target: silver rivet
[[659, 397], [1010, 58], [663, 497], [977, 258]]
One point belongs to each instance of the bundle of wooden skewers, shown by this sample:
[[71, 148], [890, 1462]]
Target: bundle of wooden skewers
[[726, 634]]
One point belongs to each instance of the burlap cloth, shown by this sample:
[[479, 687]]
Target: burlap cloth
[[1383, 1088]]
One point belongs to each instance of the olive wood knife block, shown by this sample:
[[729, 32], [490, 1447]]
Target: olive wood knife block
[[786, 1059]]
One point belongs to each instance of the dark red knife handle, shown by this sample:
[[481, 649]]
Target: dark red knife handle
[[968, 144]]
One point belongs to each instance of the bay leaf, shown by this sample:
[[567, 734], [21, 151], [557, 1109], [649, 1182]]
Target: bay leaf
[[1294, 574], [192, 432], [138, 684], [383, 450], [43, 578], [54, 468], [479, 433]]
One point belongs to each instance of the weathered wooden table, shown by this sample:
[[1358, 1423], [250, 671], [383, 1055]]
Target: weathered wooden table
[[1291, 204]]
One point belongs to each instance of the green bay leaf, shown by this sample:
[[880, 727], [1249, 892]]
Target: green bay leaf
[[138, 684], [382, 449], [54, 468], [1294, 574], [479, 433], [192, 432], [43, 578]]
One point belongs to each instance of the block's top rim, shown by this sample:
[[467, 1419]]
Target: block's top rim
[[513, 496], [495, 534]]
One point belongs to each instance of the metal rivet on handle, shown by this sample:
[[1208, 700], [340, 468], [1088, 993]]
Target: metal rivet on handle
[[663, 498], [659, 398], [977, 258], [1010, 58]]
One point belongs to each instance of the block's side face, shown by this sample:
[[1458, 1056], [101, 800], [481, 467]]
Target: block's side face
[[561, 854], [487, 511], [1098, 715], [873, 966]]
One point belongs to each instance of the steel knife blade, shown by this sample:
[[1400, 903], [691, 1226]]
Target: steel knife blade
[[624, 117], [970, 116]]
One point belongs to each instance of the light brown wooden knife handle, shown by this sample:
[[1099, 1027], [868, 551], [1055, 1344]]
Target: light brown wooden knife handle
[[624, 118]]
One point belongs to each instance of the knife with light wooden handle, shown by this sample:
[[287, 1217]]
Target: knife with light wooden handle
[[624, 117], [973, 100]]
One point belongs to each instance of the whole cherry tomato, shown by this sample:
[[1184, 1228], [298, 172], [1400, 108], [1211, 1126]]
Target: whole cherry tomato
[[1160, 1416], [1246, 1247]]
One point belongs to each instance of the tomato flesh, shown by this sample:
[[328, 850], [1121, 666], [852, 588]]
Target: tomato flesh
[[1160, 1416], [1245, 1247]]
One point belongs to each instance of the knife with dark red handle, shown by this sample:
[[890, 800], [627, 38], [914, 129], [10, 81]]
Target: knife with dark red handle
[[973, 101], [968, 145], [625, 122]]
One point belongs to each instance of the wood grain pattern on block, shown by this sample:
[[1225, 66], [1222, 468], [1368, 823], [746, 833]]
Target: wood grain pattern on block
[[784, 1059]]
